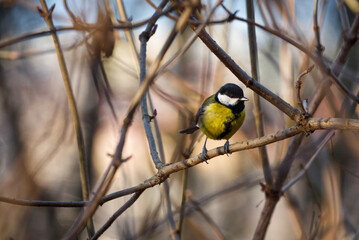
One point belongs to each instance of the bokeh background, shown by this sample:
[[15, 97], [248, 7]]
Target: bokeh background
[[38, 151]]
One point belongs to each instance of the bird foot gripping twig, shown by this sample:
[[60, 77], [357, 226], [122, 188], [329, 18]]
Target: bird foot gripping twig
[[226, 148], [204, 155]]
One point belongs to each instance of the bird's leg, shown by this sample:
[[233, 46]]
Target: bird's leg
[[226, 148], [204, 151]]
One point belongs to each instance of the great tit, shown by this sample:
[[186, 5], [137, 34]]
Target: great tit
[[220, 115]]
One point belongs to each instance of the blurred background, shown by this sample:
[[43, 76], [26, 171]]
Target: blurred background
[[38, 150]]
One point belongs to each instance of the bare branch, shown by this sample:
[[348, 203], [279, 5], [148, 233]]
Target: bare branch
[[309, 163], [298, 86], [118, 213], [85, 185], [257, 106]]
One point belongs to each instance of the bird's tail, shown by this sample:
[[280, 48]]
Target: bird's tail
[[189, 130]]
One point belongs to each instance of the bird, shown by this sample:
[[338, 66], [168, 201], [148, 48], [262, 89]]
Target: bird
[[220, 116]]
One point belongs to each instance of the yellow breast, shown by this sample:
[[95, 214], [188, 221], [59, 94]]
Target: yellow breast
[[218, 122]]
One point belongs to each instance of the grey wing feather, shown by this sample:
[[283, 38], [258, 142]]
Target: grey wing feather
[[200, 112]]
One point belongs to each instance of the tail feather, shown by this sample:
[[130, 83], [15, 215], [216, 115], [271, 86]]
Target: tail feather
[[189, 130]]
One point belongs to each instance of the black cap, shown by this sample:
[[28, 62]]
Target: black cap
[[231, 90]]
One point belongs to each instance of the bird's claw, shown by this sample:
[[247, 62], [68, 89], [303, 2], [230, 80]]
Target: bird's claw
[[226, 148], [204, 155]]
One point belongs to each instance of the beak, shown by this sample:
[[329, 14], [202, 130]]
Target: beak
[[244, 99]]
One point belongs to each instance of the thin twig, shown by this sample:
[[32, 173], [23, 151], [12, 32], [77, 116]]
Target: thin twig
[[84, 174], [174, 234], [217, 232], [273, 195], [309, 163], [338, 64], [257, 105], [128, 32], [318, 45], [166, 187], [144, 37], [344, 18], [183, 202], [39, 203], [118, 213], [298, 86]]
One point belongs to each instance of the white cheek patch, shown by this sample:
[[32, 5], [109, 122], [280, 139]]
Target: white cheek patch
[[226, 100]]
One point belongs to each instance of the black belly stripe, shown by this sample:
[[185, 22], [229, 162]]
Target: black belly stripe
[[227, 127]]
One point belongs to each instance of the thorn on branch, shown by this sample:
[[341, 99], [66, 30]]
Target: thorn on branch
[[42, 13], [232, 16], [118, 161], [151, 117], [126, 159], [47, 15], [52, 9]]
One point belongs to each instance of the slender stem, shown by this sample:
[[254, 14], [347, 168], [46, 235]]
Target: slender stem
[[145, 115], [257, 105], [344, 18], [183, 201], [118, 213], [72, 103], [216, 230], [174, 233], [338, 64], [128, 32], [264, 220], [309, 163], [273, 195], [316, 28], [298, 86]]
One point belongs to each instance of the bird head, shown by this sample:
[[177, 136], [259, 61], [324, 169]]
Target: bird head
[[231, 95]]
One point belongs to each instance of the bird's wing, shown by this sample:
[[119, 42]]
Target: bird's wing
[[200, 112]]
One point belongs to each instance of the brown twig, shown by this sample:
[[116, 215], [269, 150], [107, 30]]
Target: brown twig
[[298, 86], [217, 232], [118, 213], [338, 64], [309, 163], [257, 106], [144, 37], [47, 15], [318, 45]]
